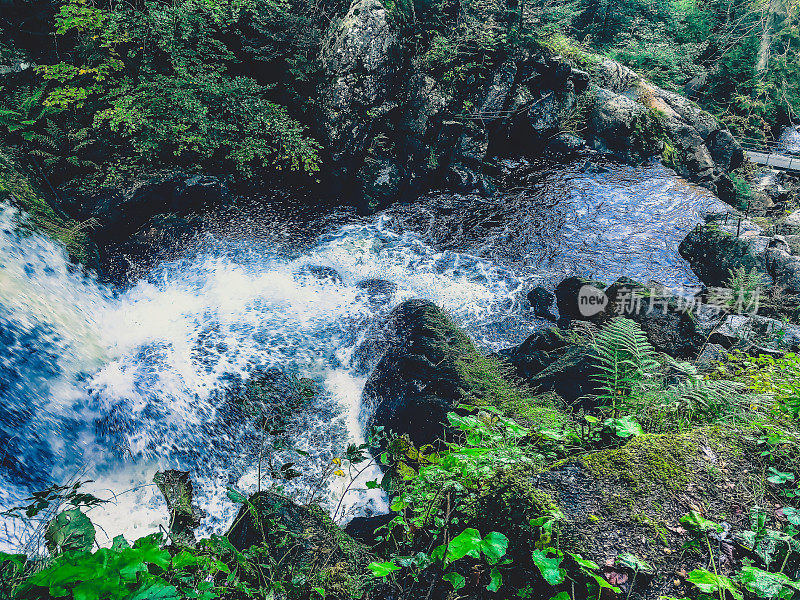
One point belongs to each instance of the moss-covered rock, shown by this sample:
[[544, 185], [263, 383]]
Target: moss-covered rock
[[626, 500], [305, 547], [430, 368], [16, 189]]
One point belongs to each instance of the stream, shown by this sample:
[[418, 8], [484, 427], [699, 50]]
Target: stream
[[112, 384]]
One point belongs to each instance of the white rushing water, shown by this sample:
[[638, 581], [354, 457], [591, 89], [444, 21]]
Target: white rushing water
[[114, 385]]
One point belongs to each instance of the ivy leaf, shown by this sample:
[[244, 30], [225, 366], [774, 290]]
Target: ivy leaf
[[779, 477], [764, 584], [466, 543], [549, 567], [382, 569], [561, 596], [494, 546], [495, 580], [694, 520], [456, 580], [710, 583]]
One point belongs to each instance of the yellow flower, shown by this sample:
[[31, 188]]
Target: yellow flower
[[339, 473], [337, 461]]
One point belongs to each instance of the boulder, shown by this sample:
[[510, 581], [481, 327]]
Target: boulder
[[360, 63], [117, 214], [429, 368], [669, 325], [569, 296], [714, 249], [783, 267], [320, 554], [541, 301], [755, 333], [620, 501], [622, 127], [705, 151], [548, 362]]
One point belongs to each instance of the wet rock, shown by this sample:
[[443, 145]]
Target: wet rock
[[541, 301], [307, 539], [120, 213], [622, 127], [360, 62], [184, 516], [714, 249], [429, 368], [568, 299], [565, 145]]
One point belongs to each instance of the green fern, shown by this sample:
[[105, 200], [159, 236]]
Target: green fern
[[626, 360]]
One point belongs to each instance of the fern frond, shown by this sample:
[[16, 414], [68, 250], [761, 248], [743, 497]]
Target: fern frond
[[625, 358]]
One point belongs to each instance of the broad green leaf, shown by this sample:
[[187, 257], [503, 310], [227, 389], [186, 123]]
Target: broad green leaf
[[466, 543], [767, 585], [549, 567], [237, 497], [70, 530], [495, 580], [791, 514], [561, 596], [157, 590], [694, 520], [779, 477], [711, 583], [494, 546], [456, 580], [586, 564], [382, 569], [624, 427]]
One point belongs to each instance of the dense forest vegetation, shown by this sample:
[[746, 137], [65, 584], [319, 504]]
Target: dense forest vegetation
[[231, 87]]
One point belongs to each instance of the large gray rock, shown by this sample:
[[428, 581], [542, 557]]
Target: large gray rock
[[360, 61], [783, 267], [622, 127], [714, 249], [705, 150]]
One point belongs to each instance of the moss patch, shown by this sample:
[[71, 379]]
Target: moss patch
[[647, 461], [16, 188]]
